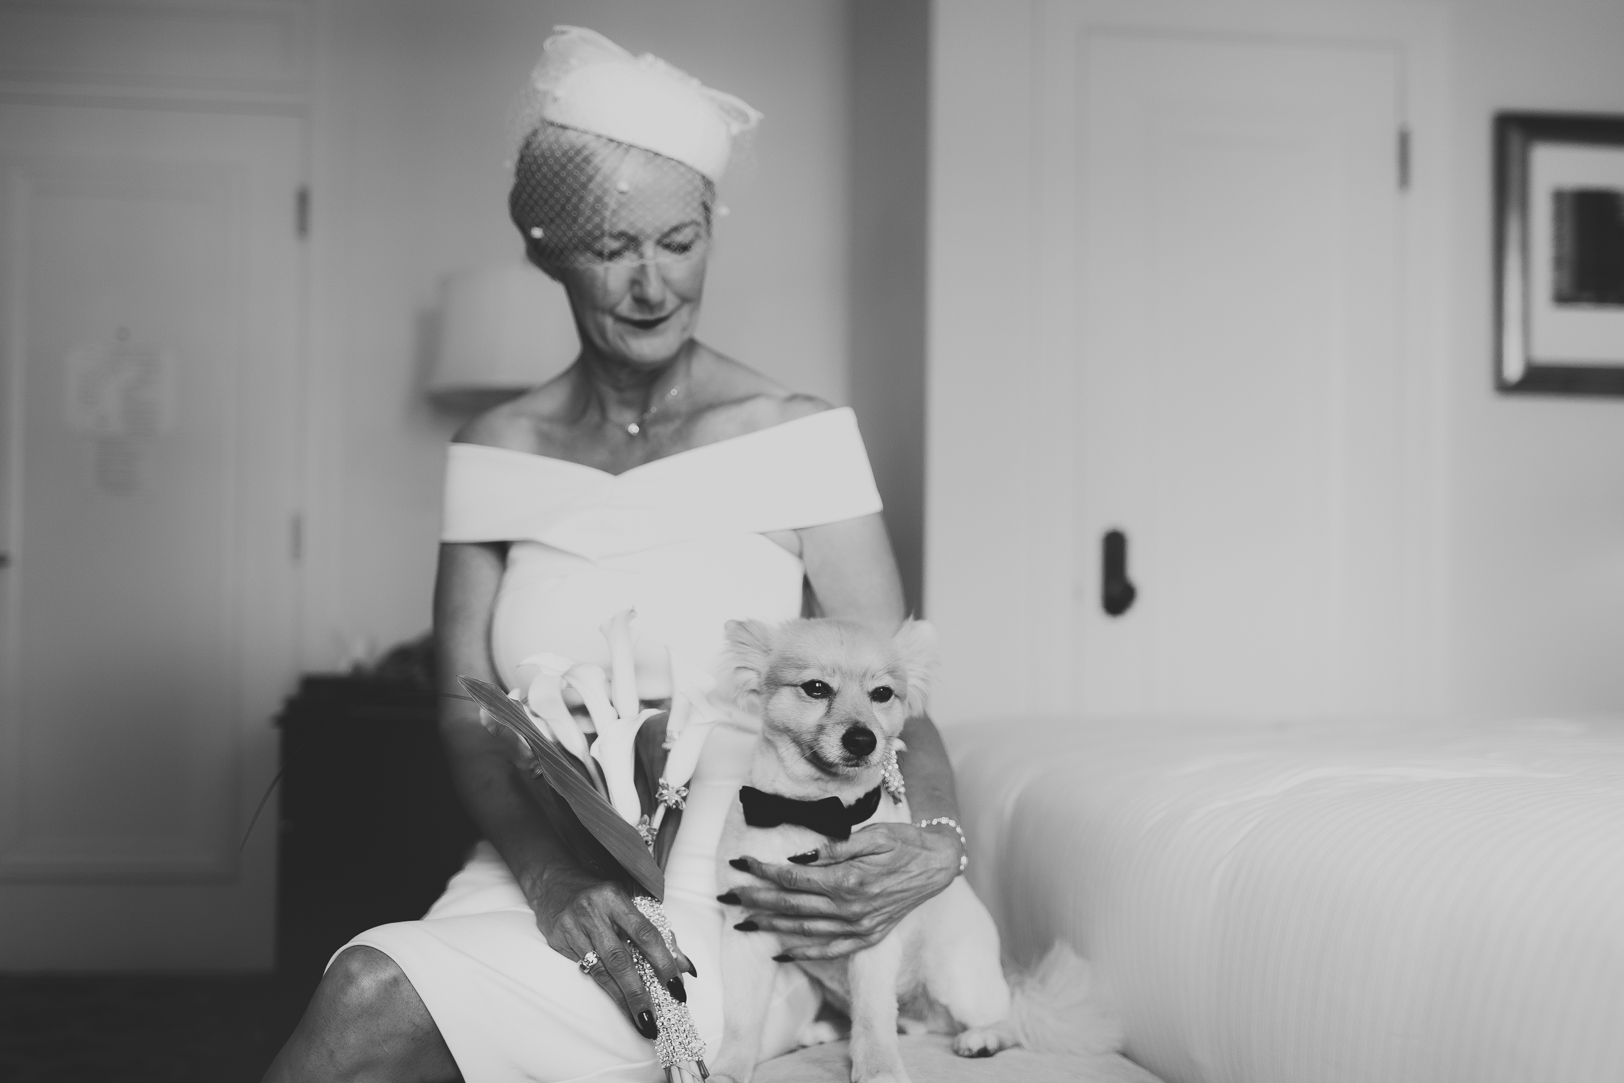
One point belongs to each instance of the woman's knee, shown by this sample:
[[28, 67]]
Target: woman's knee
[[366, 1022], [363, 981]]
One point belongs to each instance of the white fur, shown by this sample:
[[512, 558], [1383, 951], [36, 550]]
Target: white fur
[[944, 956]]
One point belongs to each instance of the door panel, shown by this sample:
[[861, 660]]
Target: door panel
[[151, 333], [1239, 400]]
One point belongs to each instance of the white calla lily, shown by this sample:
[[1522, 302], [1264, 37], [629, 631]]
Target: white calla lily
[[617, 717], [615, 750], [678, 721], [681, 760], [592, 685], [684, 757], [679, 703], [617, 630], [690, 695], [692, 717], [545, 699]]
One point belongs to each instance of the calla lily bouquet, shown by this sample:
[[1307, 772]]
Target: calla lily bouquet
[[614, 785]]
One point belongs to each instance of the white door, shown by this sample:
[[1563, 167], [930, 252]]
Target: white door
[[1239, 387], [150, 329]]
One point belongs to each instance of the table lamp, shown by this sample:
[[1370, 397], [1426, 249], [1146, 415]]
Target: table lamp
[[503, 329]]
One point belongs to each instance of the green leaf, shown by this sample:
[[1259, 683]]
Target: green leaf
[[585, 848], [582, 845], [651, 754], [666, 837], [595, 814]]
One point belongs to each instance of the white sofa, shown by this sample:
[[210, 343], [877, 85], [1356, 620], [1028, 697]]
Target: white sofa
[[1346, 902]]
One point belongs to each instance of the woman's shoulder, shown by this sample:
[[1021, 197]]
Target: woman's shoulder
[[801, 474], [740, 401], [520, 424], [743, 416], [490, 429]]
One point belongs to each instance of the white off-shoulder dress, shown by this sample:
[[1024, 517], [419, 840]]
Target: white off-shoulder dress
[[680, 540]]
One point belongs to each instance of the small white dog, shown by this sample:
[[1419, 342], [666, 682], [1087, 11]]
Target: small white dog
[[833, 697]]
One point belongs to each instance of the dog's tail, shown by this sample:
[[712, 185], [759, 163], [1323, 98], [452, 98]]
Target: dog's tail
[[1059, 1007]]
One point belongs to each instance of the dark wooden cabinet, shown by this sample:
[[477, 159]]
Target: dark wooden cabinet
[[371, 827]]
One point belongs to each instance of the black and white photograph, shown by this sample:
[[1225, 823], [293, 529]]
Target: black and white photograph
[[1560, 245], [811, 541]]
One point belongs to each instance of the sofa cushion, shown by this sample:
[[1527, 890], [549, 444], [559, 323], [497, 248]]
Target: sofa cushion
[[930, 1060], [1319, 902]]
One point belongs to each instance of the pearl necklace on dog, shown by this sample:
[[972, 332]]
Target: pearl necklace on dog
[[892, 778]]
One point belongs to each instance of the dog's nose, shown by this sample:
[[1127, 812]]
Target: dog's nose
[[859, 740]]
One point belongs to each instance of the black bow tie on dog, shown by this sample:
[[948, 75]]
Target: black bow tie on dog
[[827, 817]]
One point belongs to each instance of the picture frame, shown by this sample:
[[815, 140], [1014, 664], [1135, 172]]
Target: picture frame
[[1559, 253]]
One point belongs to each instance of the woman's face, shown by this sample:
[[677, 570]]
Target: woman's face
[[636, 284]]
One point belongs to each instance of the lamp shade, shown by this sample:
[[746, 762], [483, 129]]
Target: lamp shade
[[503, 328]]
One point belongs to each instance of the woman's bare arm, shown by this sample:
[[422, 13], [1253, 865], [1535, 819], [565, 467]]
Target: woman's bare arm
[[482, 767], [856, 891], [575, 911], [854, 574]]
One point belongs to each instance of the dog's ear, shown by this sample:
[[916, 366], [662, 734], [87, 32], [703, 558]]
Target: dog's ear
[[915, 642], [744, 660]]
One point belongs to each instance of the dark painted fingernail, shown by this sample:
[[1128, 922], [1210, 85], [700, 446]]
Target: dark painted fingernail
[[692, 969], [804, 859], [784, 958], [731, 898], [747, 926], [741, 864], [646, 1025], [678, 991]]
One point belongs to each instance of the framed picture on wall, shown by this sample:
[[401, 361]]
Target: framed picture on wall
[[1559, 252]]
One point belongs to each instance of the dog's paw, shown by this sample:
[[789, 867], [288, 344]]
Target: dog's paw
[[979, 1042], [894, 1075], [729, 1073], [877, 1066], [817, 1032]]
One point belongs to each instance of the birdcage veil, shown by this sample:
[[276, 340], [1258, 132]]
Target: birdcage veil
[[617, 158]]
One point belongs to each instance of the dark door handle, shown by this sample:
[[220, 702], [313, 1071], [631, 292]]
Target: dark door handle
[[1116, 589]]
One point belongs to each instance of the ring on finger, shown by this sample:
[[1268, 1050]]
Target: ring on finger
[[587, 962]]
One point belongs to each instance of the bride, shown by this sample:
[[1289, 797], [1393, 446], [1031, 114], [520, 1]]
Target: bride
[[653, 474]]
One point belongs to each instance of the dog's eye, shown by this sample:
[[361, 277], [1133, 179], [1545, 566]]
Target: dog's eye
[[883, 694], [817, 689]]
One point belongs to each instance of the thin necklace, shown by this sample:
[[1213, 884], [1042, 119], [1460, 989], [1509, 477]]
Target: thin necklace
[[635, 426]]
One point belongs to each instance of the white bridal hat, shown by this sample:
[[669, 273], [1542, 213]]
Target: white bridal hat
[[587, 82]]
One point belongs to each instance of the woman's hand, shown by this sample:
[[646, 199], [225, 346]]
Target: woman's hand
[[578, 913], [846, 896]]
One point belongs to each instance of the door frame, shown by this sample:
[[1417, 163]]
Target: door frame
[[226, 59], [1001, 569]]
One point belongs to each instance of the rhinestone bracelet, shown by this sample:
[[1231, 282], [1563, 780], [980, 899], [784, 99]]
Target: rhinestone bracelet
[[964, 851]]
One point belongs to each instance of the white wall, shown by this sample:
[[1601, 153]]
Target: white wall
[[1536, 511], [408, 184], [1531, 515], [890, 186], [984, 381]]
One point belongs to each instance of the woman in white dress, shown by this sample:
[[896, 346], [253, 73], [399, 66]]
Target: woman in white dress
[[654, 474]]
